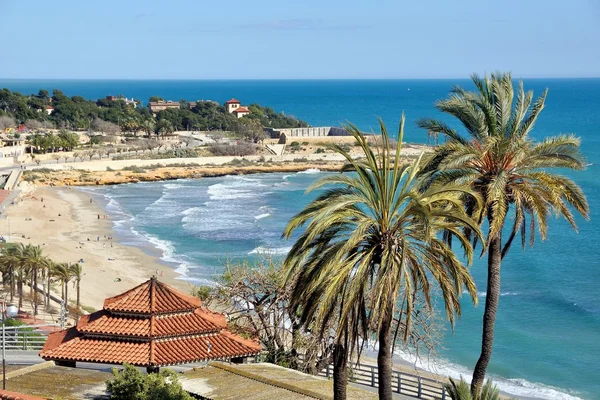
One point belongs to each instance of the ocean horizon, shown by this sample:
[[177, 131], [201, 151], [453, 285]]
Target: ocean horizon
[[548, 292]]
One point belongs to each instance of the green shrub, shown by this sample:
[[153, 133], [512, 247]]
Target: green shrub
[[135, 169], [462, 390], [131, 384], [320, 150], [203, 292]]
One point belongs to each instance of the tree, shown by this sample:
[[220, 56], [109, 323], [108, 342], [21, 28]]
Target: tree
[[509, 170], [68, 140], [374, 236], [155, 99], [63, 272], [105, 127], [164, 127], [34, 260], [257, 305], [33, 124], [76, 270], [131, 384], [251, 130], [6, 123]]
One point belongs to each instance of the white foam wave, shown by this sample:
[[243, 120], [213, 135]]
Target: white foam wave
[[310, 171], [261, 216], [515, 387], [271, 251], [173, 186], [484, 294]]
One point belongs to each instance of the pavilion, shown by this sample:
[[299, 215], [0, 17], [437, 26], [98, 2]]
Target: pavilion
[[152, 325]]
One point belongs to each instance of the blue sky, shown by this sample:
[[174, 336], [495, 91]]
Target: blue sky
[[265, 39]]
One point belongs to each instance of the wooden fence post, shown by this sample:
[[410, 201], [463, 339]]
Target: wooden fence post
[[327, 371], [399, 381], [372, 376], [420, 389], [443, 393]]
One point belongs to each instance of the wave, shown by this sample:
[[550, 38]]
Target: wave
[[515, 387], [261, 216], [310, 171], [271, 251], [502, 294], [222, 191]]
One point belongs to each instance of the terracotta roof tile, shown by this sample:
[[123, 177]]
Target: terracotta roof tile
[[151, 297], [101, 351], [6, 395], [150, 325], [233, 101], [241, 109], [198, 348], [103, 323]]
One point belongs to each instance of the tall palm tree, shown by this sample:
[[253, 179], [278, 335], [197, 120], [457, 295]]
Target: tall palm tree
[[62, 271], [373, 235], [510, 171], [76, 270], [35, 261], [9, 263]]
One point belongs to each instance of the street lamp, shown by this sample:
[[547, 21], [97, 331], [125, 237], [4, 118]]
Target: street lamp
[[9, 312]]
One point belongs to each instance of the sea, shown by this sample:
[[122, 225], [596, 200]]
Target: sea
[[547, 343]]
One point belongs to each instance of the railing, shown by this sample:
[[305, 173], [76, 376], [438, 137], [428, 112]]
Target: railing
[[26, 337], [402, 383]]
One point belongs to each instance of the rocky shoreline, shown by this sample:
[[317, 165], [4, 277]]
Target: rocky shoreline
[[52, 177]]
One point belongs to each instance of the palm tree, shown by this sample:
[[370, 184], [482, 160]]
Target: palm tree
[[372, 236], [76, 272], [509, 170], [34, 260], [62, 271], [9, 263]]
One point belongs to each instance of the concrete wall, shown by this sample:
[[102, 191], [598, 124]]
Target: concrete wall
[[318, 131], [11, 154]]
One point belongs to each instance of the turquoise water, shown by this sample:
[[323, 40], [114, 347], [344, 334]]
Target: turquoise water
[[548, 327]]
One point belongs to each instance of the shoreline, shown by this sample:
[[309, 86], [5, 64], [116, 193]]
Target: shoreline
[[69, 228]]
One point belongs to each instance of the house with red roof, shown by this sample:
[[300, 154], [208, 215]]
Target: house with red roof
[[152, 325], [235, 107]]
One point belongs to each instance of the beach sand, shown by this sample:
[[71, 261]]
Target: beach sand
[[62, 224]]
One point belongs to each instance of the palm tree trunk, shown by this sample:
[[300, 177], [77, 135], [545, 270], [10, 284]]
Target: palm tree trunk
[[340, 371], [35, 292], [12, 284], [489, 315], [48, 290], [78, 292], [384, 355], [20, 292]]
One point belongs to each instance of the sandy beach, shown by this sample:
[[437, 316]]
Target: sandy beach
[[62, 224]]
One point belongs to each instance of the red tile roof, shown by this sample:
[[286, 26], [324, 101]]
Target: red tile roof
[[241, 109], [233, 101], [196, 322], [151, 297], [179, 350], [6, 395], [150, 325]]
